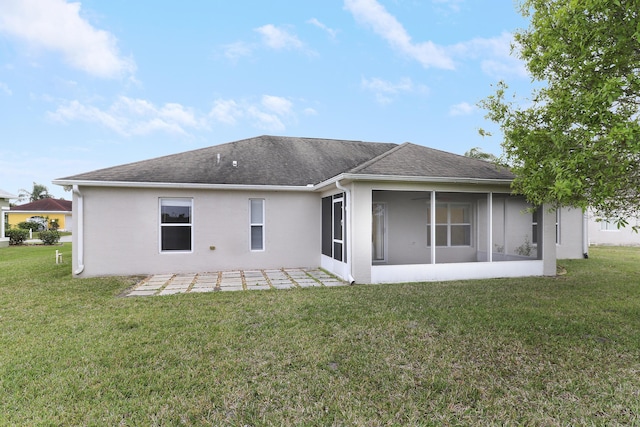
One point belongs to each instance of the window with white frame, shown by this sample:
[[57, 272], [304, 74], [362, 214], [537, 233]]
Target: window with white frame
[[256, 224], [453, 224], [606, 225], [176, 225], [534, 227]]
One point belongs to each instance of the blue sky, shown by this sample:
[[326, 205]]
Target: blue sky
[[91, 84]]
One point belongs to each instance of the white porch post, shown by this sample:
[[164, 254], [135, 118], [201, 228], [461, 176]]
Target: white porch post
[[490, 227], [548, 216], [432, 225], [2, 223]]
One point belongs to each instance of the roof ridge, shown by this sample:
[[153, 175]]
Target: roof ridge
[[377, 158]]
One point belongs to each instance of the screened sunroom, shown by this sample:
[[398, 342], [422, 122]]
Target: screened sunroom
[[431, 235]]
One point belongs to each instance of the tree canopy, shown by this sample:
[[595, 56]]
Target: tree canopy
[[576, 142], [477, 153], [38, 192]]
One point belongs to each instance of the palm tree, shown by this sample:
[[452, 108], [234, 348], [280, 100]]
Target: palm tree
[[38, 192]]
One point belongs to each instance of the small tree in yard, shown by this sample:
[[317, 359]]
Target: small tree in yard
[[577, 142]]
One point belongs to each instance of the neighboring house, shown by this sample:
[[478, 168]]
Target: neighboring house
[[44, 211], [367, 212], [4, 207], [603, 232]]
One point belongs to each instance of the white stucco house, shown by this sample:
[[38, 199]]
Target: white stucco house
[[5, 198], [607, 233], [367, 212]]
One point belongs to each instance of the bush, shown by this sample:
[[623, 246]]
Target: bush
[[30, 225], [17, 236], [50, 237]]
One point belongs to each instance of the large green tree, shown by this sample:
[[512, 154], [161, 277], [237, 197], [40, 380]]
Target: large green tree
[[576, 142]]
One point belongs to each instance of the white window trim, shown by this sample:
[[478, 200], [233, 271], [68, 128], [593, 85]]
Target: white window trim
[[161, 225], [557, 226], [449, 224], [257, 224], [606, 224], [383, 233]]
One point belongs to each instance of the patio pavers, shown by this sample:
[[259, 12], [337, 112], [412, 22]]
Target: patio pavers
[[236, 280]]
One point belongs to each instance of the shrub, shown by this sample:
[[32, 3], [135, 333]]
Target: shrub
[[30, 225], [53, 224], [17, 236], [50, 237]]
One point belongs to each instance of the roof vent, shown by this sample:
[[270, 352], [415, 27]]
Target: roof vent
[[235, 163], [218, 159]]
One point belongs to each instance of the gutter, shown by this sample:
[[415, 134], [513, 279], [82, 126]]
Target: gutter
[[79, 231], [347, 219], [181, 185], [412, 179], [585, 234]]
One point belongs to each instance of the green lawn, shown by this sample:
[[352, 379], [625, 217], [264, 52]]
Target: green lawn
[[537, 351]]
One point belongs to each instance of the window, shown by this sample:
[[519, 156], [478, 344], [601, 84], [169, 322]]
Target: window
[[534, 227], [176, 231], [606, 225], [453, 224], [378, 231], [256, 224]]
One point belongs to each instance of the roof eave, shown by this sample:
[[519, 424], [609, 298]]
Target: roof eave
[[30, 211], [414, 179], [180, 185]]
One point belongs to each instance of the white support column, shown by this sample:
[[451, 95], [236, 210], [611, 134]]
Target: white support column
[[490, 227], [548, 216], [2, 226], [432, 225]]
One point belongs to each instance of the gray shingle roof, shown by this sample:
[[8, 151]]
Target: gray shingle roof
[[44, 205], [7, 195], [290, 161], [416, 160]]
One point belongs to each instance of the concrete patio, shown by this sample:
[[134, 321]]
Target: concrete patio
[[236, 280]]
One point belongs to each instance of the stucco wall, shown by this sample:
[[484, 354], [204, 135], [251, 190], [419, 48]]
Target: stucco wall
[[121, 231], [573, 239], [624, 236], [16, 217]]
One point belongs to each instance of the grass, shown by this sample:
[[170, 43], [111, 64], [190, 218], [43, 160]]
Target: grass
[[535, 351]]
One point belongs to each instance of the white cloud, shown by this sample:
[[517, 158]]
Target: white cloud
[[57, 26], [332, 33], [462, 109], [494, 54], [226, 111], [272, 37], [129, 116], [265, 120], [270, 113], [4, 88], [279, 38], [373, 14], [385, 91], [454, 5], [277, 104], [237, 50]]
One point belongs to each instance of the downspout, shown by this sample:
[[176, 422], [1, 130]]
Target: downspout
[[79, 229], [347, 209], [585, 234]]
